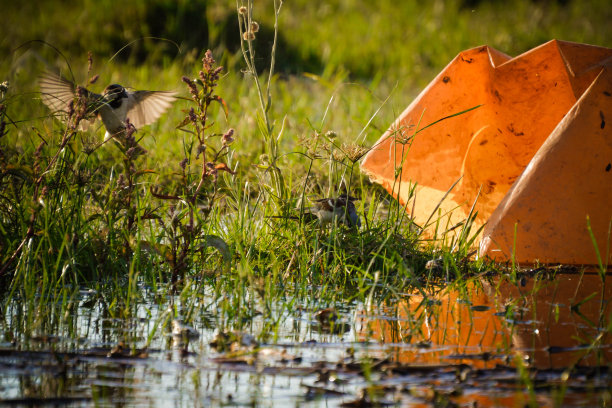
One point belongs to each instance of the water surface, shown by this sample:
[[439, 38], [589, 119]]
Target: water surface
[[539, 340]]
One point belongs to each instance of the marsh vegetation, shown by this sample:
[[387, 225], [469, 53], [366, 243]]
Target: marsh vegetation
[[196, 273]]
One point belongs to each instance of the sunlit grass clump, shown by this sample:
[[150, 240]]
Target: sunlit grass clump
[[208, 199]]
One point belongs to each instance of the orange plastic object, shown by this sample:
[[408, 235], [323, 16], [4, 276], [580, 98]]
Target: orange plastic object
[[535, 157]]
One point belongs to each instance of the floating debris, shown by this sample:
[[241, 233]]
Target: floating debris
[[233, 341], [180, 329], [327, 316], [328, 320]]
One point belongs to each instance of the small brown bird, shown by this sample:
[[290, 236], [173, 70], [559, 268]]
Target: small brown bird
[[114, 107], [342, 208], [330, 210]]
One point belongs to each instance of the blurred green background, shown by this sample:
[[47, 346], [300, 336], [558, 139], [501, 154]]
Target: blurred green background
[[368, 39], [344, 56]]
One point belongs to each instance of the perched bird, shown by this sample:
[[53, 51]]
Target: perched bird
[[342, 209], [329, 210], [114, 107]]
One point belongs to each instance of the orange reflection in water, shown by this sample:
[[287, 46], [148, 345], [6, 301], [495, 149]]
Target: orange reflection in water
[[551, 323], [567, 319]]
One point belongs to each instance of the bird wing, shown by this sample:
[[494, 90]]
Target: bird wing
[[326, 203], [145, 107], [57, 92]]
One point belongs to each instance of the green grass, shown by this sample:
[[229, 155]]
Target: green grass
[[77, 216], [332, 76], [71, 216]]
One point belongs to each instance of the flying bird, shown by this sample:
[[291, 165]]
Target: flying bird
[[114, 106]]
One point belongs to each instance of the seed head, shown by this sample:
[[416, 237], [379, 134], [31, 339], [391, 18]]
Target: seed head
[[183, 163], [404, 134], [88, 147], [80, 106], [192, 116], [228, 137], [133, 152], [129, 128], [70, 109], [242, 11], [201, 149], [354, 152], [215, 74], [331, 134], [254, 26], [337, 156], [193, 90], [248, 35], [208, 61], [211, 169], [121, 181]]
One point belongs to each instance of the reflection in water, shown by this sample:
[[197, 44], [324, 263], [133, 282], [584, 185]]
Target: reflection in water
[[442, 326], [467, 345], [549, 323], [559, 323]]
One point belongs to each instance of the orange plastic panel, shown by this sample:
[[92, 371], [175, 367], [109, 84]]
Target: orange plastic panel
[[569, 178], [523, 102]]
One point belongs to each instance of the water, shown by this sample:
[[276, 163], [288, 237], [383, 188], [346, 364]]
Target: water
[[490, 343]]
